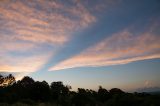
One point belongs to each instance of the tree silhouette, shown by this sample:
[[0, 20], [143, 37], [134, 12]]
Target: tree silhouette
[[1, 80], [59, 92], [6, 81], [30, 92], [40, 91], [103, 94], [26, 81], [116, 91]]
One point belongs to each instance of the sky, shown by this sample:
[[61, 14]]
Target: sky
[[83, 43]]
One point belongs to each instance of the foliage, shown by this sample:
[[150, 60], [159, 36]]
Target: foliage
[[27, 92], [8, 80]]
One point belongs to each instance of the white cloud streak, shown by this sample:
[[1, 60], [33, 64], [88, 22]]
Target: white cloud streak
[[120, 48]]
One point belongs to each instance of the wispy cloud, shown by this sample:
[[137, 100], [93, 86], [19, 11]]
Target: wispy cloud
[[28, 27], [120, 48], [29, 64], [43, 21]]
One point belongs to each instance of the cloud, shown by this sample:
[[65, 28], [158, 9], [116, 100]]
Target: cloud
[[82, 13], [147, 83], [43, 21], [22, 64], [120, 48], [30, 30]]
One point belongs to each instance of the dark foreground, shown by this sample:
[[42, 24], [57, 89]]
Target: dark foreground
[[27, 92]]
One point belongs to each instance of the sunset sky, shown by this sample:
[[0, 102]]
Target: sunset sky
[[83, 43]]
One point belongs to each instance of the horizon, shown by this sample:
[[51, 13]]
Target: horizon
[[83, 43], [10, 81]]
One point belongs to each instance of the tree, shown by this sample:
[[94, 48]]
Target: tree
[[1, 76], [82, 97], [60, 93], [24, 87], [56, 89], [26, 81], [31, 92], [40, 91], [6, 81], [103, 94], [1, 80], [116, 91]]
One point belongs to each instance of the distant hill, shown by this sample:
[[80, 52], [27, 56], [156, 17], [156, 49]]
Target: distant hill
[[151, 90]]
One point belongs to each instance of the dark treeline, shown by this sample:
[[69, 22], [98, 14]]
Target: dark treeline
[[31, 93]]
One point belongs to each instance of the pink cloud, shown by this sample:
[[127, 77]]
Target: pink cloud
[[22, 64], [120, 48], [31, 24], [26, 29]]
